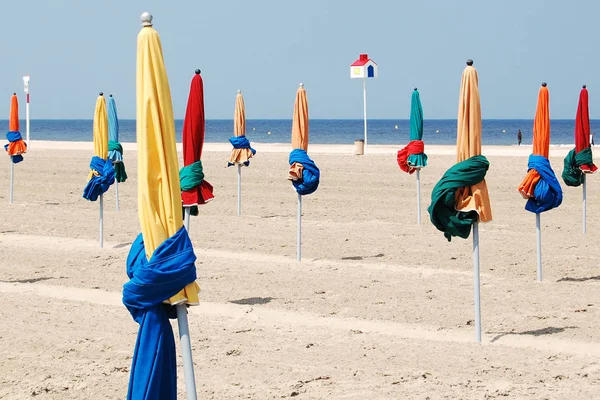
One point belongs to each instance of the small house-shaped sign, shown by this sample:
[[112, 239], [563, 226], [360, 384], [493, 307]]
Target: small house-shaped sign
[[364, 67]]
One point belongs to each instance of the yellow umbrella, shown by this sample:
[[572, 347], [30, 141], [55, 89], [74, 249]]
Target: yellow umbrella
[[100, 132]]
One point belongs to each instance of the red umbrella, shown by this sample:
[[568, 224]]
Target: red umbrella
[[195, 190], [582, 128]]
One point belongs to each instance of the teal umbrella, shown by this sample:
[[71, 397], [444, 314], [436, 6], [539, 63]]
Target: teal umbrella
[[115, 150]]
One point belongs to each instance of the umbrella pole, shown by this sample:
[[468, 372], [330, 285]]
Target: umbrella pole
[[239, 168], [365, 110], [584, 204], [419, 196], [538, 230], [117, 193], [476, 282], [27, 119], [12, 178], [299, 233], [186, 350], [101, 220], [186, 218]]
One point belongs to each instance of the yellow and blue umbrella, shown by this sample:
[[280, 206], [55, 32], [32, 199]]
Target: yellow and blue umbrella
[[160, 264]]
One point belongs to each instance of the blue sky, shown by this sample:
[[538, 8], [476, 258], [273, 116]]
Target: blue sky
[[74, 49]]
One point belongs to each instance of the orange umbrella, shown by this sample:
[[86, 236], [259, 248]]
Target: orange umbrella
[[16, 145]]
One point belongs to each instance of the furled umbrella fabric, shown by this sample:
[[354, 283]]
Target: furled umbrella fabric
[[412, 157], [195, 190], [102, 173], [242, 151], [16, 145], [115, 149], [161, 259], [303, 172], [461, 197], [540, 186], [579, 160]]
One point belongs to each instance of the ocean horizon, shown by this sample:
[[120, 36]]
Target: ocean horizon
[[322, 131]]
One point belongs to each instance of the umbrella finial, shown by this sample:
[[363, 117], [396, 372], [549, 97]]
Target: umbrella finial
[[301, 84], [584, 86], [101, 94], [544, 84], [239, 92], [14, 94], [110, 95], [198, 72], [146, 19], [469, 62], [415, 89]]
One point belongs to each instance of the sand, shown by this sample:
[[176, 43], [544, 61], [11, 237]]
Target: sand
[[379, 308]]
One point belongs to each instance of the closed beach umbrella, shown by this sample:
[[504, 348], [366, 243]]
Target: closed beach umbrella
[[195, 190], [102, 173], [161, 260], [16, 145], [460, 199], [540, 186], [242, 151], [303, 172], [115, 150], [412, 157], [579, 161]]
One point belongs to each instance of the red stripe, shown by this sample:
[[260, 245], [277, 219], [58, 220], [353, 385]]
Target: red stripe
[[27, 98]]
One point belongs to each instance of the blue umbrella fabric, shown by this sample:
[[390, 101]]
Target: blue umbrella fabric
[[115, 149]]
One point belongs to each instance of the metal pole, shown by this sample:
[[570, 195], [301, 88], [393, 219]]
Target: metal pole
[[186, 351], [186, 218], [476, 282], [584, 205], [27, 119], [419, 196], [299, 251], [117, 193], [239, 189], [538, 230], [365, 110], [101, 220], [12, 178]]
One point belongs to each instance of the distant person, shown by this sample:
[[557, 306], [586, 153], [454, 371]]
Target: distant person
[[592, 139], [519, 138]]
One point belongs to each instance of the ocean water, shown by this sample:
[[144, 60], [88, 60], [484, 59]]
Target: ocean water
[[322, 131]]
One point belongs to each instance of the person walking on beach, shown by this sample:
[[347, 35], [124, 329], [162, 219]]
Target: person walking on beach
[[519, 137], [592, 139]]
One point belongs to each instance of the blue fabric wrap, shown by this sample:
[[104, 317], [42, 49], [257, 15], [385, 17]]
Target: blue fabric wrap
[[154, 368], [547, 193], [310, 175], [13, 136], [241, 142], [99, 184]]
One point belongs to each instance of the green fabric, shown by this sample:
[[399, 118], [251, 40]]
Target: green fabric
[[115, 146], [442, 210], [572, 175], [120, 173], [418, 160], [191, 176], [416, 117]]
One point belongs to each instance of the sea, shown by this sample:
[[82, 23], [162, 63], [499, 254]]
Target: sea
[[322, 131]]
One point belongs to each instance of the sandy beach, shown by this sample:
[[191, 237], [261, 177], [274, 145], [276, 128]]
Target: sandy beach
[[379, 308]]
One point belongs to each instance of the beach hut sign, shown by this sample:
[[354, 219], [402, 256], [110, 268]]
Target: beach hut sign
[[364, 67]]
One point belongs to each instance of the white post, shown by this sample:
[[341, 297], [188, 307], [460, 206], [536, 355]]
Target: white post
[[584, 205], [538, 230], [186, 218], [186, 351], [419, 196], [12, 178], [299, 233], [365, 110], [476, 282], [26, 90], [239, 171], [101, 220], [117, 193]]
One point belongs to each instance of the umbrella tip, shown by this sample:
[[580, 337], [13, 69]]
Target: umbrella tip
[[14, 94], [110, 95], [584, 86], [239, 92], [415, 89], [544, 84], [197, 72], [101, 94], [301, 84], [146, 19], [469, 62]]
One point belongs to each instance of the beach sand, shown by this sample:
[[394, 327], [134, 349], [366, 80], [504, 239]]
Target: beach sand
[[379, 308]]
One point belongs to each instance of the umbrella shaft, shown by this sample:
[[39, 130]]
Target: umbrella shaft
[[476, 282], [419, 196], [186, 219], [538, 230], [186, 351], [239, 193], [299, 251], [117, 194], [101, 220], [584, 204], [12, 178]]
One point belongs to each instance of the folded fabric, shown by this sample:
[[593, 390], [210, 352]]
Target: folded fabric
[[237, 156], [103, 176], [572, 173], [115, 154], [547, 193], [195, 190], [154, 367], [16, 146], [442, 211], [307, 181], [412, 156]]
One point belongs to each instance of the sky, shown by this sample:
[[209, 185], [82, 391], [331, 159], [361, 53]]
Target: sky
[[75, 49]]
